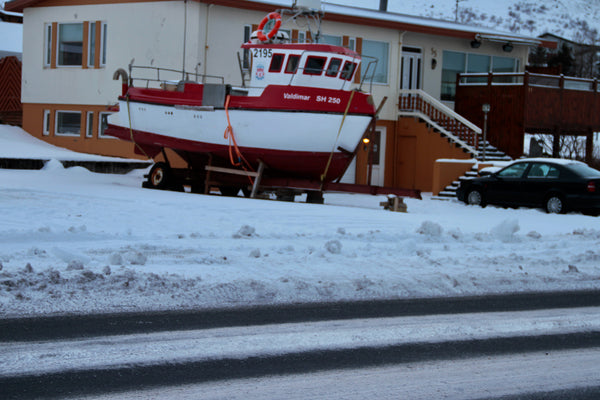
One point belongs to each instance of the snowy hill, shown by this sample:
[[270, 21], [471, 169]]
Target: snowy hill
[[576, 20]]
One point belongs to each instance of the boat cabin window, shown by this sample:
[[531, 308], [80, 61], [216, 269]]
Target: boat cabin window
[[348, 70], [292, 64], [334, 67], [314, 65], [276, 62]]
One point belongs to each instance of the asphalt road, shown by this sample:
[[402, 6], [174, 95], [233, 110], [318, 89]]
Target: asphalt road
[[73, 326], [120, 379]]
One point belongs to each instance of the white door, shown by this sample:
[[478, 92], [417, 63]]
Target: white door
[[410, 68], [377, 157]]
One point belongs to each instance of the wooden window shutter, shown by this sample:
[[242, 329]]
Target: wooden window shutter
[[53, 53], [97, 52], [86, 45], [359, 51]]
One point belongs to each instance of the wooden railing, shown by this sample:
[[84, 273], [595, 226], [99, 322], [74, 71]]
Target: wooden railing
[[528, 79], [528, 102], [456, 128], [548, 102]]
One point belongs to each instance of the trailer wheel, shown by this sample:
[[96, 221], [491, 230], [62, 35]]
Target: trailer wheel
[[314, 197], [159, 176], [229, 191]]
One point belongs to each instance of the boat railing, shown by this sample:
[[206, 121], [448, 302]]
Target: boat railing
[[366, 77], [159, 77]]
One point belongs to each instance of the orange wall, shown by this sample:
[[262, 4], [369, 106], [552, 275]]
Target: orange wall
[[447, 171], [33, 123], [411, 154]]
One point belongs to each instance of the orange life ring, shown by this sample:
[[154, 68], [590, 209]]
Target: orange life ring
[[260, 34]]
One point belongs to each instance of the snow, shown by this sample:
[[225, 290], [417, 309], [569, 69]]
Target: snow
[[18, 144], [575, 19], [73, 241], [11, 37]]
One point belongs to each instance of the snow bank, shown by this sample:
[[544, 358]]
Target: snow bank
[[72, 241]]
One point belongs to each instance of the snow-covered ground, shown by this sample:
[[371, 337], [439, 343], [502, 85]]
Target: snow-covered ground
[[73, 241]]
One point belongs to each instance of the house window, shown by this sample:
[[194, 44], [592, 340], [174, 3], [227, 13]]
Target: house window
[[46, 130], [89, 131], [93, 58], [103, 124], [103, 45], [68, 123], [48, 45], [301, 37], [505, 64], [329, 39], [379, 51], [314, 65], [70, 44], [92, 44], [457, 63], [246, 53], [352, 43]]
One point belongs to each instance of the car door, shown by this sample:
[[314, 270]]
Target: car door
[[505, 185], [540, 179]]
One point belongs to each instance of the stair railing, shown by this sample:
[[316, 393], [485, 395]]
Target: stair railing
[[417, 103]]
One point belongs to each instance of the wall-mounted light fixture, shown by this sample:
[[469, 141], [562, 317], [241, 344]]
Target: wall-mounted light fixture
[[475, 43], [507, 47], [433, 63], [366, 142]]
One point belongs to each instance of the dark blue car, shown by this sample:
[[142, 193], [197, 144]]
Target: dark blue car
[[556, 185]]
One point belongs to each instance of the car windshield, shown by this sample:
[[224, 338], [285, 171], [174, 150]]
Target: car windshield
[[584, 170]]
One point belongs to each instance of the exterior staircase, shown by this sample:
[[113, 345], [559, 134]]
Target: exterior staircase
[[454, 127], [492, 155], [449, 124]]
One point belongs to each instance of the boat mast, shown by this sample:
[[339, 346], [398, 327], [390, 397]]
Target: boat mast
[[306, 14]]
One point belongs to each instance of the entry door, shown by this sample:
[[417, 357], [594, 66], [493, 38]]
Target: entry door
[[378, 157], [406, 162], [411, 67]]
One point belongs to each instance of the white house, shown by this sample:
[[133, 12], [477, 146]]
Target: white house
[[73, 47]]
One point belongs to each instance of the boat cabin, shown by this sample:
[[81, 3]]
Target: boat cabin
[[314, 65]]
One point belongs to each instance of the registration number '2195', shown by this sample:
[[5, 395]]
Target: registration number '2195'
[[265, 53]]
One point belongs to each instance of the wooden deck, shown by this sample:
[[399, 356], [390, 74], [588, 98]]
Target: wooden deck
[[532, 103]]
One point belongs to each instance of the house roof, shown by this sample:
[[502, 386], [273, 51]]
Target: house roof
[[339, 13]]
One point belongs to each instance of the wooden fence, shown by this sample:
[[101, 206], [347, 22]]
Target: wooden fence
[[11, 109]]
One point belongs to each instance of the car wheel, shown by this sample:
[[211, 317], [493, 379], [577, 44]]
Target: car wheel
[[475, 198], [555, 204]]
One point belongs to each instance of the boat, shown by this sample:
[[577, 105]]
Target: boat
[[297, 112]]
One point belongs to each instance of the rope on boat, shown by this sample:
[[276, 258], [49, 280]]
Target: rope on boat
[[336, 139], [131, 130], [228, 134]]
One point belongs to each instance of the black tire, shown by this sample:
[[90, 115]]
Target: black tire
[[160, 176], [229, 191], [315, 197], [555, 204], [475, 197]]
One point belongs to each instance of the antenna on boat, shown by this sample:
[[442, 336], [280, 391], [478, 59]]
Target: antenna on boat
[[306, 14]]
